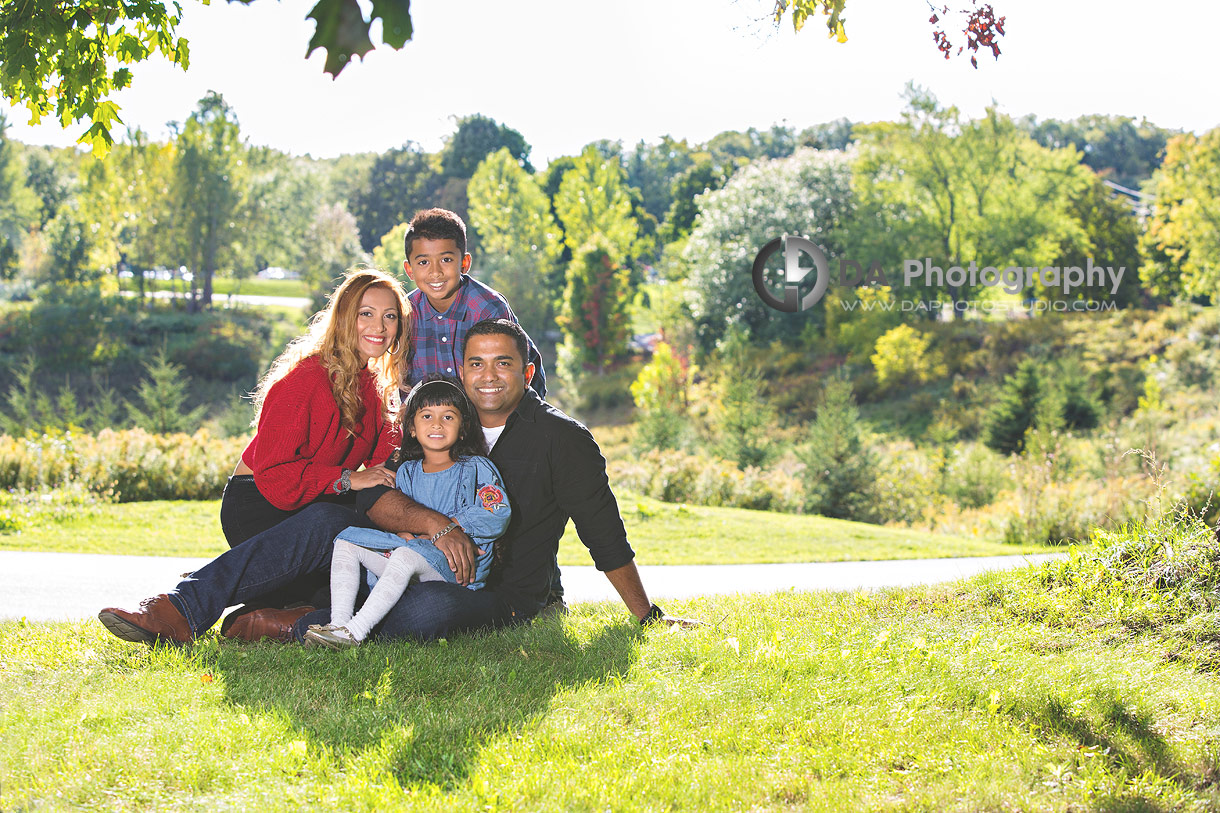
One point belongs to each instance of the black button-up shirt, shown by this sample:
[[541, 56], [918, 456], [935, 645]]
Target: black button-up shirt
[[553, 470]]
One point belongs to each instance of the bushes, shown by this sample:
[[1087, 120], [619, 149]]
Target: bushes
[[130, 464], [674, 476]]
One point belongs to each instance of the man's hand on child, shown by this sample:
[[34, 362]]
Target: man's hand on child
[[460, 552]]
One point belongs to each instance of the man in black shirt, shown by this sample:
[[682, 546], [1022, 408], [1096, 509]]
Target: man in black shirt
[[552, 470]]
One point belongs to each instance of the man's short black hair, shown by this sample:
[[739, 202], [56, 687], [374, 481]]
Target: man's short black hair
[[501, 327], [435, 224]]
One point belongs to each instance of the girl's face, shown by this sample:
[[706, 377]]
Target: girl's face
[[436, 428], [376, 323]]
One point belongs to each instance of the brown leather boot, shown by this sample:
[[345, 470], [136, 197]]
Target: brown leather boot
[[266, 623], [156, 620]]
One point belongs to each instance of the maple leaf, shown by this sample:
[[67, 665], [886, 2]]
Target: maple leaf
[[342, 31]]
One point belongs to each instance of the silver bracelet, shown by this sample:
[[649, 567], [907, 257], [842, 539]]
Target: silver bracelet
[[344, 483], [448, 528]]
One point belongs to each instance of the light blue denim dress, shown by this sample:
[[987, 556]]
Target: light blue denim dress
[[470, 491]]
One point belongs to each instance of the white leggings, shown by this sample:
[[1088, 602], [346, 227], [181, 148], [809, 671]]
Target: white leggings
[[393, 572]]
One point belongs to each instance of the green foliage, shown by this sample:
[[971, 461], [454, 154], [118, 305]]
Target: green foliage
[[808, 194], [331, 246], [160, 399], [60, 59], [1181, 245], [839, 464], [476, 138], [654, 169], [701, 177], [743, 420], [593, 199], [903, 357], [935, 186], [1073, 400], [1013, 415], [128, 465], [19, 206], [210, 178], [595, 321], [659, 393], [398, 183], [390, 255], [520, 242], [1115, 147]]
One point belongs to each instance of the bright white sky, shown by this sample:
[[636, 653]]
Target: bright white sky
[[567, 72]]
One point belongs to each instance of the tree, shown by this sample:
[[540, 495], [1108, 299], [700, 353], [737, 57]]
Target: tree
[[839, 466], [1115, 147], [331, 246], [18, 204], [934, 186], [593, 200], [399, 183], [808, 194], [279, 203], [520, 239], [659, 392], [160, 399], [210, 175], [595, 320], [477, 137], [58, 57], [704, 176], [654, 169], [1182, 243], [1014, 414]]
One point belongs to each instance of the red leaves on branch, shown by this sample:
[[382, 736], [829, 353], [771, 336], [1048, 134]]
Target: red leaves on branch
[[982, 29]]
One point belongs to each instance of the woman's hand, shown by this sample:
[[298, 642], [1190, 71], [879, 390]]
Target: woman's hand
[[368, 478]]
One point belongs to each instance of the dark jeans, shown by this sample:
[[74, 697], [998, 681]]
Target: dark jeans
[[298, 546], [244, 513], [431, 610]]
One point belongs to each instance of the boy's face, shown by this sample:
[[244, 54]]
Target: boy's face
[[436, 266]]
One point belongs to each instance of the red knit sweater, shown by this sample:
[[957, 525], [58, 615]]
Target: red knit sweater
[[300, 449]]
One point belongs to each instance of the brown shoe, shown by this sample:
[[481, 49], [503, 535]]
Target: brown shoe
[[266, 623], [156, 620]]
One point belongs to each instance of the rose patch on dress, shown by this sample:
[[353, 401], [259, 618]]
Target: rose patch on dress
[[490, 497]]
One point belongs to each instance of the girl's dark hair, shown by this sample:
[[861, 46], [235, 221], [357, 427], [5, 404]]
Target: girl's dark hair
[[437, 390]]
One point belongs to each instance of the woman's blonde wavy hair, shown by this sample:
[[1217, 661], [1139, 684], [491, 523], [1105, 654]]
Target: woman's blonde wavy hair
[[332, 336]]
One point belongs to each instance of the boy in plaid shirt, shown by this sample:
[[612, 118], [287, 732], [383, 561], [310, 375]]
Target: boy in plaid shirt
[[447, 300]]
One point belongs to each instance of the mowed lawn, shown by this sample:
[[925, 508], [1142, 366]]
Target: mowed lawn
[[661, 533], [945, 698]]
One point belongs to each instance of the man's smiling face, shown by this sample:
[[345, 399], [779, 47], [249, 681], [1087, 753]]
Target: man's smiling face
[[495, 376]]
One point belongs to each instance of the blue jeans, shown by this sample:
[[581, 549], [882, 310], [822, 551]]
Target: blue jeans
[[431, 610], [301, 544]]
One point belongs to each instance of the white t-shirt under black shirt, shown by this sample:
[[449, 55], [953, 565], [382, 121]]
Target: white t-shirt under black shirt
[[491, 434]]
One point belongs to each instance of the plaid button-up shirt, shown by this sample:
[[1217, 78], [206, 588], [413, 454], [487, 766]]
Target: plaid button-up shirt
[[438, 337]]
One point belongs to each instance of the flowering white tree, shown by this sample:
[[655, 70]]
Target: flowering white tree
[[808, 194]]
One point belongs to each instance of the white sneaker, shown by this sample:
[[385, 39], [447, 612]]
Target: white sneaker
[[329, 636]]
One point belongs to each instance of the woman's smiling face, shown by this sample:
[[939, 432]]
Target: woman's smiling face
[[376, 323]]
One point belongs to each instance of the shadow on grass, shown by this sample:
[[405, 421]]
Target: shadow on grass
[[424, 711], [1127, 739]]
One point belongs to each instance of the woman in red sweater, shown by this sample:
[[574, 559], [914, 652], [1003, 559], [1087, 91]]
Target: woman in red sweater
[[324, 409]]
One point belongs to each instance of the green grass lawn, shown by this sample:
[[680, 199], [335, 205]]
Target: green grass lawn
[[975, 696], [661, 533]]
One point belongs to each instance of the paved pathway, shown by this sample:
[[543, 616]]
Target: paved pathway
[[69, 586]]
